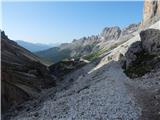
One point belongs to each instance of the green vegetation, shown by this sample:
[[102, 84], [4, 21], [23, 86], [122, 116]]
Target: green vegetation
[[46, 61], [109, 58], [54, 54], [96, 54]]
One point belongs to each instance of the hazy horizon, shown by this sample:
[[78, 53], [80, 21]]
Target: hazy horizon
[[61, 22]]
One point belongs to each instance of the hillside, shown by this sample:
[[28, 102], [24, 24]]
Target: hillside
[[23, 75], [54, 54]]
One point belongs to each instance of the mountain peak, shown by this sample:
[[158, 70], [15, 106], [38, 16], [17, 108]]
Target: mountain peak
[[111, 33]]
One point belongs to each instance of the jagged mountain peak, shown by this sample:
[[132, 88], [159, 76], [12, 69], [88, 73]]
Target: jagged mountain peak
[[111, 33]]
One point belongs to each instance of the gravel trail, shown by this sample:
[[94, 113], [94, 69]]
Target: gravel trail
[[98, 95]]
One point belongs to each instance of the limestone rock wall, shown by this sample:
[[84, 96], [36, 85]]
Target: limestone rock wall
[[151, 12]]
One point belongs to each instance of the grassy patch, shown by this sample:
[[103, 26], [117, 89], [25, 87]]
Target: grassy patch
[[46, 61], [54, 54], [96, 54]]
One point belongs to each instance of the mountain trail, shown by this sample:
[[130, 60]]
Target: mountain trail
[[98, 95]]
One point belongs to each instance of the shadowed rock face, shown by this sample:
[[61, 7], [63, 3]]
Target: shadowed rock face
[[131, 54], [143, 56], [151, 41], [64, 67], [23, 76]]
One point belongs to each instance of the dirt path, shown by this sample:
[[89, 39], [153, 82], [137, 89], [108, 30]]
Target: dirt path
[[99, 94]]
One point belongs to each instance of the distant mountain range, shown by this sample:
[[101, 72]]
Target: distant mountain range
[[89, 47], [34, 47]]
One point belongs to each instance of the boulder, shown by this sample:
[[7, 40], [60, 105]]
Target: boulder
[[131, 54], [142, 56], [151, 41]]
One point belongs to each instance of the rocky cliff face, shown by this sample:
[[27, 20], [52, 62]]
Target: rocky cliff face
[[151, 11], [23, 76], [143, 56], [111, 33]]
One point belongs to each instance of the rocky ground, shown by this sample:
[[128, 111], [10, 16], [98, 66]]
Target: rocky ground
[[104, 93]]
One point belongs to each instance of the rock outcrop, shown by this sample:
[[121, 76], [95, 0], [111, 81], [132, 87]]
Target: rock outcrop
[[111, 33], [22, 75], [143, 56], [131, 54], [151, 41], [64, 67], [151, 12]]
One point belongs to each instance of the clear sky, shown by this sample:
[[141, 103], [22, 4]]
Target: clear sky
[[59, 22]]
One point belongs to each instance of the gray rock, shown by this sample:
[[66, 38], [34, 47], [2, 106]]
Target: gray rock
[[130, 55], [142, 56], [111, 33], [130, 29], [151, 41]]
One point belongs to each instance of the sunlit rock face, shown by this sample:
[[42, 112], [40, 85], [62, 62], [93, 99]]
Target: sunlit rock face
[[151, 11]]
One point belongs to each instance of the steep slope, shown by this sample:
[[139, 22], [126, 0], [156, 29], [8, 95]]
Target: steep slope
[[23, 76], [34, 47], [54, 54], [88, 45]]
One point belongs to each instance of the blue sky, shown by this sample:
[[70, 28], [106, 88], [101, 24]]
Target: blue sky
[[60, 22]]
